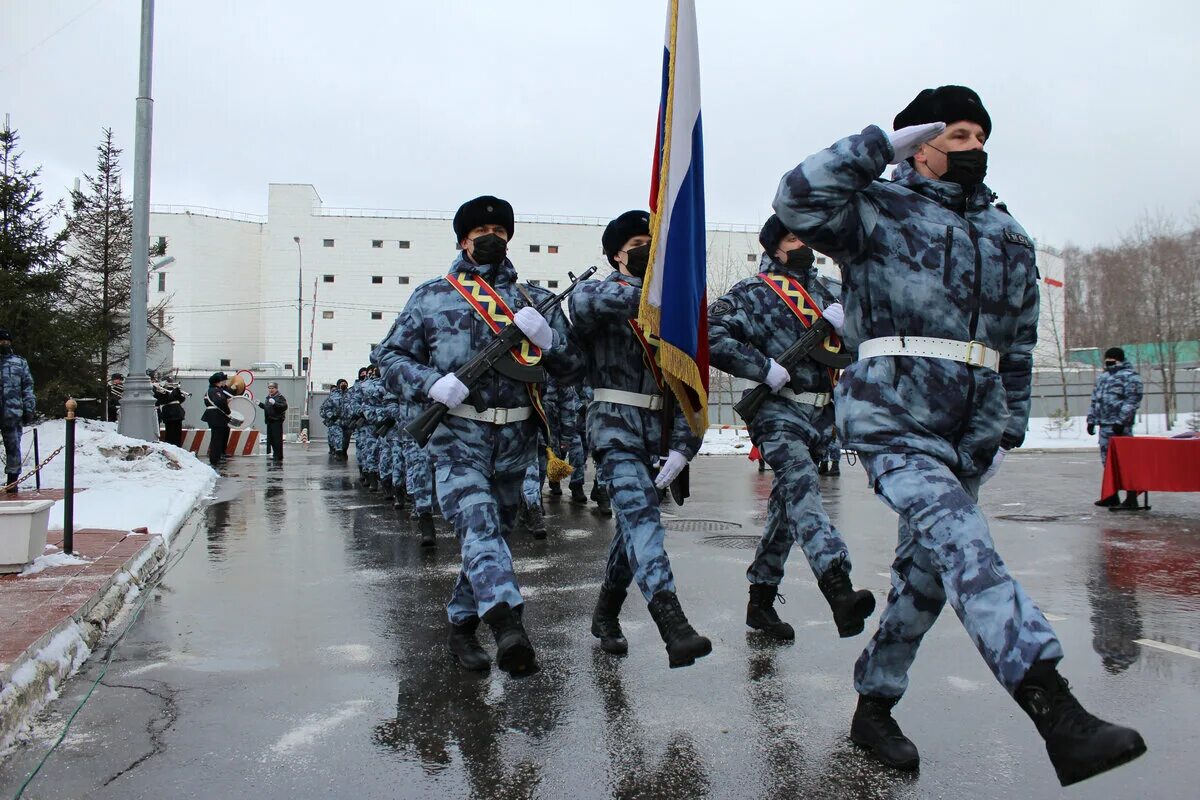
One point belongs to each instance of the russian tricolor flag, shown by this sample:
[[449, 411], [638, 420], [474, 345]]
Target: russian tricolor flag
[[674, 294]]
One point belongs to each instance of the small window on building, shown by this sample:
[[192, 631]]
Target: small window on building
[[162, 281], [377, 243], [376, 315], [287, 365], [403, 244], [376, 279], [327, 346], [160, 247], [750, 257], [326, 315], [535, 248], [551, 284], [225, 362], [304, 365], [552, 248], [403, 280], [327, 242], [535, 283], [327, 278]]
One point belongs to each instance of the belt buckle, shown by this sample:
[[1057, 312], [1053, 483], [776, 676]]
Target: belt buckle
[[656, 402], [823, 399], [499, 416], [982, 353]]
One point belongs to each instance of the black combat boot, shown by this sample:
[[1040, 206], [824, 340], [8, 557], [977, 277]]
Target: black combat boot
[[760, 612], [535, 521], [555, 488], [684, 645], [514, 652], [385, 486], [1079, 744], [1113, 499], [372, 481], [1131, 500], [850, 608], [606, 626], [762, 465], [823, 468], [874, 729], [835, 468], [11, 482], [600, 498], [577, 494], [466, 648], [425, 527], [400, 499]]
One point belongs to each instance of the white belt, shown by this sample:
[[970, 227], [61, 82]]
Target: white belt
[[496, 416], [653, 402], [976, 354], [818, 399]]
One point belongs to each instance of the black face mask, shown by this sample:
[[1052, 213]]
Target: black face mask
[[799, 259], [1109, 364], [489, 249], [5, 349], [967, 168], [637, 259]]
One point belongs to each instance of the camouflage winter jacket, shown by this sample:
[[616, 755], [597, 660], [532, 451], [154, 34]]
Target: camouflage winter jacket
[[333, 410], [16, 384], [750, 325], [600, 316], [919, 258], [437, 333], [377, 403], [1117, 395]]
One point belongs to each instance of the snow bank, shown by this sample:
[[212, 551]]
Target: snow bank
[[53, 560], [131, 483], [1045, 433]]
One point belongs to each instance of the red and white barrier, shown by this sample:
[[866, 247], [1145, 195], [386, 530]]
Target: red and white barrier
[[242, 442]]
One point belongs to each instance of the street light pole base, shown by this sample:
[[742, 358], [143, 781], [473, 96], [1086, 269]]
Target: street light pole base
[[138, 419]]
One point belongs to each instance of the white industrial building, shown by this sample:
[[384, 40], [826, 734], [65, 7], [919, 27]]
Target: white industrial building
[[234, 284]]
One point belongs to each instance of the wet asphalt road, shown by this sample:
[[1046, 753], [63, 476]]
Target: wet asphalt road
[[296, 651]]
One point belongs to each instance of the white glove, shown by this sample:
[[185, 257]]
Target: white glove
[[271, 400], [534, 326], [669, 469], [836, 316], [449, 391], [995, 467], [907, 141], [777, 376]]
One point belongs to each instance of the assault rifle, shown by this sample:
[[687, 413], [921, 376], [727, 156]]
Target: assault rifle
[[494, 354], [807, 346], [382, 428]]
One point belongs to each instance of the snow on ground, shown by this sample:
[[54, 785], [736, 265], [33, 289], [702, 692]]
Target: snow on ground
[[52, 560], [1044, 433], [130, 483]]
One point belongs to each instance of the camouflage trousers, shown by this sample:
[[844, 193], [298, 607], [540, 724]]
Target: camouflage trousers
[[945, 552], [794, 513], [395, 456], [337, 437], [833, 451], [637, 550], [384, 454], [482, 511], [1106, 433], [12, 448], [418, 476], [577, 457], [535, 479], [366, 445]]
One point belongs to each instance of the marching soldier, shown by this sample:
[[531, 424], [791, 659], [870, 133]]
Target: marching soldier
[[941, 296], [17, 407], [624, 427], [564, 428], [481, 455], [354, 414], [333, 414], [756, 321], [418, 476], [1115, 402]]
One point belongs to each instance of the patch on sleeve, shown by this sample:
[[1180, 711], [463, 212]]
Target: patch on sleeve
[[1017, 238], [721, 307]]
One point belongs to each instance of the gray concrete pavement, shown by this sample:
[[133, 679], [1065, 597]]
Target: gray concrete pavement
[[297, 652]]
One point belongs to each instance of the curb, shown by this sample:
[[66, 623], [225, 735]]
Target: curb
[[34, 679]]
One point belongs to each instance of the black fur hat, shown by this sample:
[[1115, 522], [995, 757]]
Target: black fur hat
[[622, 229], [485, 210], [948, 104]]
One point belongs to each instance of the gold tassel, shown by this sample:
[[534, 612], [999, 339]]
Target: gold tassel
[[556, 468]]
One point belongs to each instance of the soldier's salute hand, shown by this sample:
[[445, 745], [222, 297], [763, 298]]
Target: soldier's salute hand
[[534, 326], [907, 141]]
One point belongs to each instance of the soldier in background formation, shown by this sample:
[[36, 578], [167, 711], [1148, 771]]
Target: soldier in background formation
[[751, 325], [1115, 402], [216, 414], [168, 398], [335, 415], [17, 407], [939, 393]]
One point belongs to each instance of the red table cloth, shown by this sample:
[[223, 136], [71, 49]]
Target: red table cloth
[[1151, 464]]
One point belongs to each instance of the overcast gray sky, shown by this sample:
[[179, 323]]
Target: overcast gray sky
[[551, 104]]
